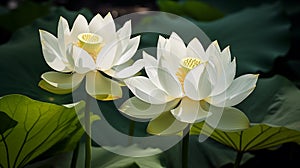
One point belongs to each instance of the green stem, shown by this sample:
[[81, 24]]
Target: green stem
[[131, 128], [185, 149], [131, 131], [238, 159], [6, 148], [88, 140], [75, 156]]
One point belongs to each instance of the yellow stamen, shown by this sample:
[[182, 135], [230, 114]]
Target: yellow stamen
[[190, 63], [186, 65], [181, 73], [91, 43]]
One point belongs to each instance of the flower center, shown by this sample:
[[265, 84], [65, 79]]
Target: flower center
[[186, 65], [190, 63], [91, 43]]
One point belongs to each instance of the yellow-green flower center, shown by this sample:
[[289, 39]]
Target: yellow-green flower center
[[91, 43], [190, 63], [186, 65]]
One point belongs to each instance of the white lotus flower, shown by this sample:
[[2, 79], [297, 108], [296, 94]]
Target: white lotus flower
[[87, 49], [189, 82]]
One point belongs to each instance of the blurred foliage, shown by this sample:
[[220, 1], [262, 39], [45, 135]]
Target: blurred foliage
[[25, 14], [250, 34], [194, 9], [102, 158]]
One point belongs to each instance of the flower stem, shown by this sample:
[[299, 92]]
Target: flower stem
[[185, 148], [131, 128], [238, 159], [88, 140], [75, 156], [131, 131]]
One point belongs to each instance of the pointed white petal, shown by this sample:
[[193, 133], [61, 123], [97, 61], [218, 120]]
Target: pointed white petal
[[82, 60], [96, 23], [166, 124], [226, 55], [230, 119], [63, 34], [106, 57], [172, 63], [177, 46], [196, 50], [161, 48], [187, 111], [108, 30], [169, 82], [237, 91], [197, 84], [102, 88], [124, 34], [168, 56], [221, 73], [137, 108], [151, 65], [213, 48], [150, 61], [51, 52], [145, 90], [80, 26], [130, 70], [130, 51], [112, 72], [109, 19], [62, 80], [69, 57]]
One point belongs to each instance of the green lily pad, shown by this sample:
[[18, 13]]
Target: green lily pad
[[35, 127], [258, 136], [274, 106], [275, 101], [6, 123]]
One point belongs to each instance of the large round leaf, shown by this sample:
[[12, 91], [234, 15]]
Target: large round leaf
[[275, 101], [34, 128], [274, 106]]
